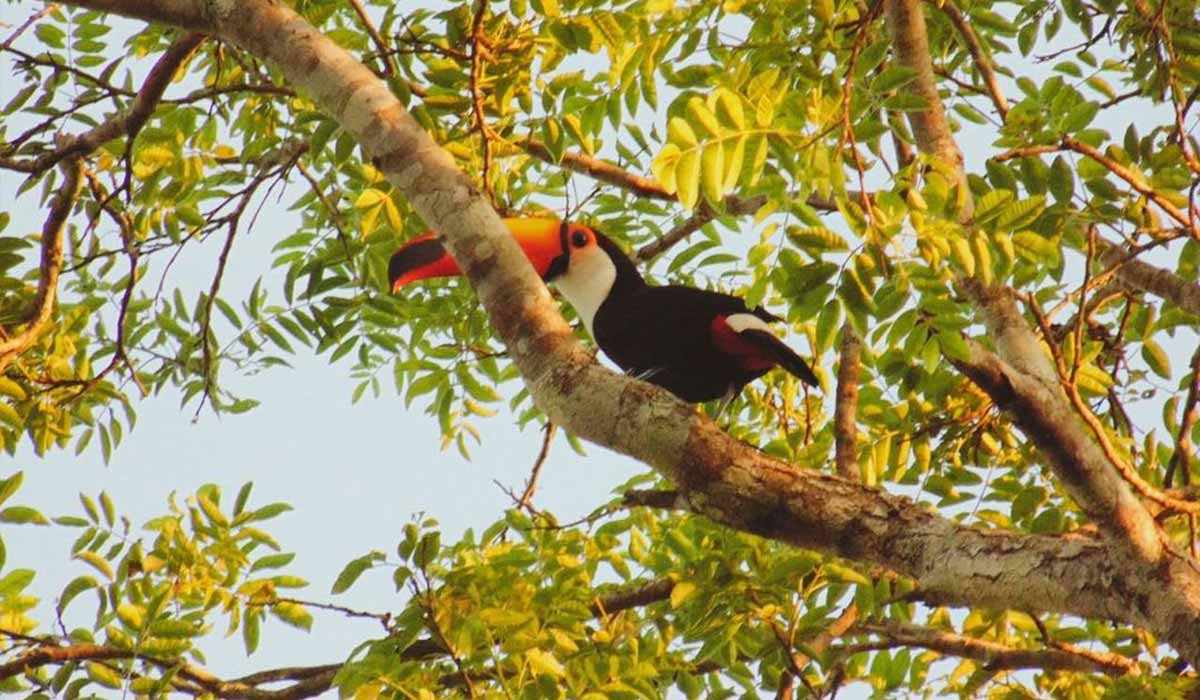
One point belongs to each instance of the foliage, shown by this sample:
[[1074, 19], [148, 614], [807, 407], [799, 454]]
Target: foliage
[[798, 108]]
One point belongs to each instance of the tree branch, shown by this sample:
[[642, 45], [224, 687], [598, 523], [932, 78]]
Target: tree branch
[[127, 123], [910, 43], [982, 62], [845, 417], [1135, 275], [1023, 382], [51, 264], [996, 656]]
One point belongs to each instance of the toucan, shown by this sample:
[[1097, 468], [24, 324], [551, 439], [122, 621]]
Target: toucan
[[698, 344]]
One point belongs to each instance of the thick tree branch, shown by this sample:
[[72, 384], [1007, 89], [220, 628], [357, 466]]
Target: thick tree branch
[[1135, 275], [51, 265], [1023, 382], [719, 477], [910, 43]]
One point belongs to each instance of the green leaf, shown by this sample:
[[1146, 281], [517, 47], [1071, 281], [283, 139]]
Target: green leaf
[[353, 570], [293, 614], [11, 485], [713, 172], [687, 178], [251, 624], [15, 581], [272, 561], [22, 515], [1156, 358]]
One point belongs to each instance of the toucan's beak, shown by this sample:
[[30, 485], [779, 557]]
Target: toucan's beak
[[543, 241]]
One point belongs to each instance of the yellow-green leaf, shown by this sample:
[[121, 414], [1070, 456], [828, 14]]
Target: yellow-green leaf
[[663, 166], [97, 562], [713, 172], [701, 115], [680, 133], [545, 663], [1156, 358], [687, 179], [681, 592]]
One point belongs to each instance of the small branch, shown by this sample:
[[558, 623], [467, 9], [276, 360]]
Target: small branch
[[996, 656], [982, 62], [476, 86], [704, 213], [1135, 181], [636, 597], [51, 264], [1181, 460], [845, 426], [373, 32], [640, 185], [127, 123], [29, 22], [526, 499], [206, 326]]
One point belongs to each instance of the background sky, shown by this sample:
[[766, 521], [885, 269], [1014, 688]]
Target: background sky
[[356, 474]]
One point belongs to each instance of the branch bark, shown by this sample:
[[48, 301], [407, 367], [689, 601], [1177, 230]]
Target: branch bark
[[1135, 275], [719, 477], [51, 264], [845, 426], [910, 42]]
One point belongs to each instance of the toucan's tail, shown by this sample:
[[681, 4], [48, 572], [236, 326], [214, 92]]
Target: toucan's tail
[[785, 356]]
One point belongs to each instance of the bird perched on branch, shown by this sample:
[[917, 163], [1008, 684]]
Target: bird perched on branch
[[697, 344]]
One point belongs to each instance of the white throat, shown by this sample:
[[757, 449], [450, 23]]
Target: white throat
[[588, 280]]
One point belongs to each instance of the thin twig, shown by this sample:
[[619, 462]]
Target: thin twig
[[526, 499]]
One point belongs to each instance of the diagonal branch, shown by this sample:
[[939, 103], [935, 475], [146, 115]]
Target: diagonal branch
[[910, 44], [127, 123], [982, 62], [1023, 382], [51, 265]]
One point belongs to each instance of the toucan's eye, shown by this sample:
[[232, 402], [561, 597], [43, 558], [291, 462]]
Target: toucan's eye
[[579, 239]]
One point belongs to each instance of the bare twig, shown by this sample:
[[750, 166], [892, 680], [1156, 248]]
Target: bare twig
[[29, 22], [1181, 460], [373, 32], [526, 499]]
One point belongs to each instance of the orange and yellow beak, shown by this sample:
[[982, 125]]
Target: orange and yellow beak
[[543, 241]]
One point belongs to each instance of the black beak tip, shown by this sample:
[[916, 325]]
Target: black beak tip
[[412, 257]]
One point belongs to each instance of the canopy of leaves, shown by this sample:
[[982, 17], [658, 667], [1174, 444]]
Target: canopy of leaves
[[761, 148]]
